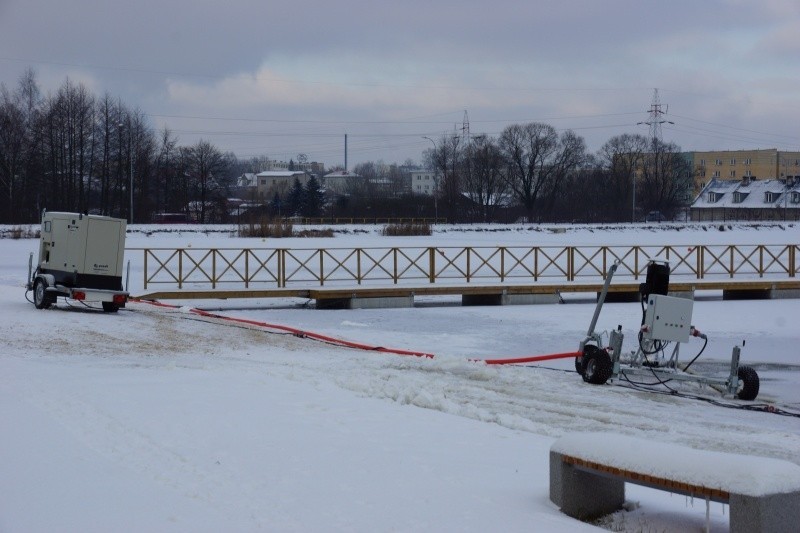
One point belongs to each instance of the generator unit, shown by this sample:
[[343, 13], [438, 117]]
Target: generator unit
[[80, 257]]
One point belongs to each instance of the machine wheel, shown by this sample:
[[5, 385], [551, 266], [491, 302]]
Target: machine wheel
[[748, 383], [597, 367], [581, 360], [41, 298], [110, 307]]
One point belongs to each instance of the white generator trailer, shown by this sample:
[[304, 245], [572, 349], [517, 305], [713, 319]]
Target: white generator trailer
[[80, 257]]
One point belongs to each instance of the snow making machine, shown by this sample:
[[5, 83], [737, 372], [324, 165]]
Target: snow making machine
[[80, 258], [666, 320]]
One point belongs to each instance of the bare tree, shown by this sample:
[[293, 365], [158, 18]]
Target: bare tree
[[621, 157], [15, 135], [484, 182], [67, 122], [569, 158], [20, 145], [530, 150], [445, 159], [205, 162], [667, 178], [167, 169]]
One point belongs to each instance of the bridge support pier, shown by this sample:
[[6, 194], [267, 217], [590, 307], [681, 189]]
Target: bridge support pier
[[382, 302], [509, 299]]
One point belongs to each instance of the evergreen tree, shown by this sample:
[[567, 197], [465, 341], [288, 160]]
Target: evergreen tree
[[313, 198], [275, 205], [296, 198]]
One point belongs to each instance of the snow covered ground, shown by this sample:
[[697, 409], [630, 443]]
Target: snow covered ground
[[157, 419]]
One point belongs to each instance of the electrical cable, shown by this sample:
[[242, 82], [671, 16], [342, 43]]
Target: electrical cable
[[286, 330], [762, 407], [705, 343]]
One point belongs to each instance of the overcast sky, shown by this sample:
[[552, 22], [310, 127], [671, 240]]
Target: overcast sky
[[279, 78]]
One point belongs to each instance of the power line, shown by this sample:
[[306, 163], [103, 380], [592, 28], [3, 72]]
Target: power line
[[737, 128]]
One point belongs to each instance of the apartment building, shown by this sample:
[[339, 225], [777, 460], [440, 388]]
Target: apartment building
[[740, 164], [424, 181]]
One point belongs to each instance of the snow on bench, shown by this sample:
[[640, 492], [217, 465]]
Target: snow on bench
[[588, 472]]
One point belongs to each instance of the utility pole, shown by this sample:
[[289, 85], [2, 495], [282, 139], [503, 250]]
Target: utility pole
[[656, 120], [435, 184], [465, 128]]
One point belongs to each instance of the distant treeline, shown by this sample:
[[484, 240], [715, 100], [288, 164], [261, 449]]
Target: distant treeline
[[75, 151]]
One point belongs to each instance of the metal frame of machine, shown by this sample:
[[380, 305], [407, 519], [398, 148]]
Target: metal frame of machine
[[665, 320]]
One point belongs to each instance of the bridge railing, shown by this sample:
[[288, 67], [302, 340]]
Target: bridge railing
[[414, 265]]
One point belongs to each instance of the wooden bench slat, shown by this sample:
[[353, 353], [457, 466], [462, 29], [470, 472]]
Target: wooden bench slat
[[672, 485]]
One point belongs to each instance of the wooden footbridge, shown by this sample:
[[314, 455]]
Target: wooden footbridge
[[497, 274]]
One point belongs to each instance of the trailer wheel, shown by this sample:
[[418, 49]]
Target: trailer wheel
[[581, 359], [748, 383], [41, 298], [110, 307], [597, 367]]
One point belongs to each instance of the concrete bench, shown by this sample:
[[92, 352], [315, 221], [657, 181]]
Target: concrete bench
[[588, 472]]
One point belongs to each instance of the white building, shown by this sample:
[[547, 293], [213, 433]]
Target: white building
[[311, 167], [280, 181], [747, 199], [424, 181], [247, 179], [341, 181]]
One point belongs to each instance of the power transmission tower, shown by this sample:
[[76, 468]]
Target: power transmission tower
[[656, 119], [465, 129], [657, 112]]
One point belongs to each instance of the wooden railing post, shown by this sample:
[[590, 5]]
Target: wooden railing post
[[214, 268], [700, 265], [358, 265], [180, 268], [432, 265], [247, 268], [394, 276], [281, 257], [570, 263], [731, 250], [321, 267], [146, 250], [468, 264]]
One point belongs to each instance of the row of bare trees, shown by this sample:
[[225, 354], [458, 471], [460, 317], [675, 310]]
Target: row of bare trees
[[74, 151], [533, 172]]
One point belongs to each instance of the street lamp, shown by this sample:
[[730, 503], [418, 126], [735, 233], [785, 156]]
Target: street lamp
[[435, 185], [130, 187]]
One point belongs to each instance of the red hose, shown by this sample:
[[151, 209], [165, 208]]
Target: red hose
[[532, 359], [360, 346], [317, 336]]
